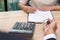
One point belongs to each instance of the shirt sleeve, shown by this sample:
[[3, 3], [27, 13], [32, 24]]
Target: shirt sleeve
[[49, 36], [23, 1]]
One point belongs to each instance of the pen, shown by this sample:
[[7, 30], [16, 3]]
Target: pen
[[48, 22]]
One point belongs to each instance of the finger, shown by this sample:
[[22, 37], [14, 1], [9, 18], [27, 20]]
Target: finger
[[45, 29], [50, 20], [34, 9], [44, 26], [54, 22]]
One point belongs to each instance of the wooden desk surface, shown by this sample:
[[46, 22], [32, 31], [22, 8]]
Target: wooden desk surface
[[7, 20]]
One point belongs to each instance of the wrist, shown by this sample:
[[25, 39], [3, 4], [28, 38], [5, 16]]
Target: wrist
[[50, 31], [22, 6], [25, 8], [53, 8]]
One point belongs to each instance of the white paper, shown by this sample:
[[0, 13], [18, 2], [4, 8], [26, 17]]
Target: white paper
[[39, 16]]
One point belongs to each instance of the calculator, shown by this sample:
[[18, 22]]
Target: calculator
[[23, 29]]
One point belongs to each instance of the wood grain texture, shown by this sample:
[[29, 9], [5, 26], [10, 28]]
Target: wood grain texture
[[7, 20]]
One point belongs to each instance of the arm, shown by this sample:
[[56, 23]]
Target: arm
[[27, 9], [52, 8], [49, 30], [22, 6], [56, 7]]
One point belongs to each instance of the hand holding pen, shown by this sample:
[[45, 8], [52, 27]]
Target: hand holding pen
[[49, 27]]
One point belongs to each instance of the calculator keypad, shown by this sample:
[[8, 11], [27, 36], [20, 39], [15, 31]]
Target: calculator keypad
[[23, 27]]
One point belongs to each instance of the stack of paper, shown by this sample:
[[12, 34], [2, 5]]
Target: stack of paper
[[39, 16]]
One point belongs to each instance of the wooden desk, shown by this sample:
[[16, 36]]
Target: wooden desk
[[7, 20]]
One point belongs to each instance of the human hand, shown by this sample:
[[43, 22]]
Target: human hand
[[29, 9], [50, 28]]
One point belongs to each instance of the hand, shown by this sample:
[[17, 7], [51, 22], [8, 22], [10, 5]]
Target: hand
[[46, 8], [50, 28], [29, 9]]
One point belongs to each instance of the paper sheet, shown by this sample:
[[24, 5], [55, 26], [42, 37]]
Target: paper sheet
[[39, 16]]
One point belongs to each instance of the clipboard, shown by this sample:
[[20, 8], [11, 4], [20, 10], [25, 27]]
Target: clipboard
[[39, 16]]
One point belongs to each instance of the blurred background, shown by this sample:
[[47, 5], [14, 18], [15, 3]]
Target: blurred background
[[11, 5]]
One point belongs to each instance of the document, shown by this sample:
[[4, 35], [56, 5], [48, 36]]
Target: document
[[39, 16]]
